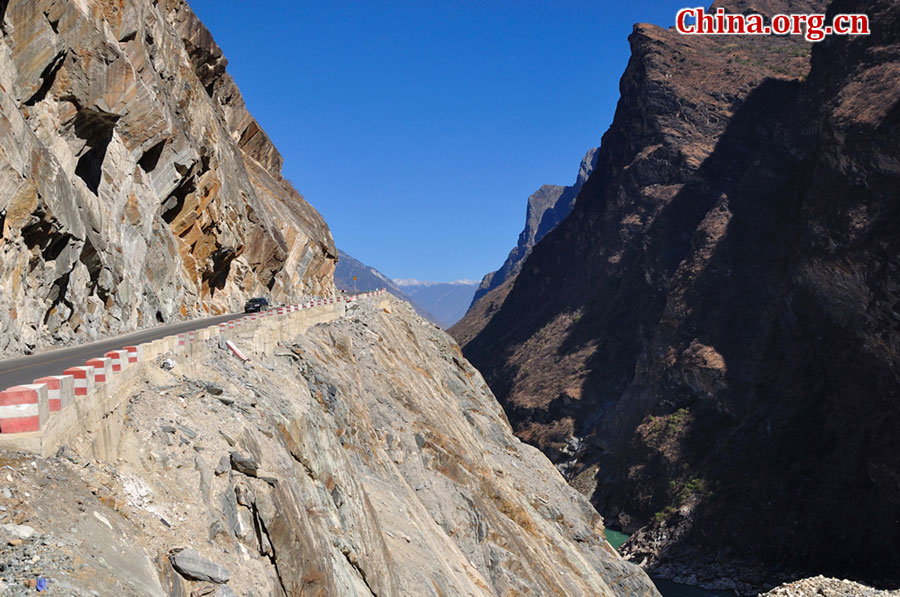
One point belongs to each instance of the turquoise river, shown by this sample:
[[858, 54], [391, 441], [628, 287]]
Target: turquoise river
[[665, 587]]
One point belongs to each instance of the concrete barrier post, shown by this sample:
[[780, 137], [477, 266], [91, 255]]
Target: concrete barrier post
[[60, 390], [84, 379], [102, 369], [237, 352], [24, 408], [115, 360], [123, 358], [134, 353]]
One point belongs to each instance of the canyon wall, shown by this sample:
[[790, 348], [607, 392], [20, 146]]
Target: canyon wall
[[708, 344], [135, 187]]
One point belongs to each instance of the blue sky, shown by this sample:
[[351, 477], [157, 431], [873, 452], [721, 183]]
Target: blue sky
[[418, 129]]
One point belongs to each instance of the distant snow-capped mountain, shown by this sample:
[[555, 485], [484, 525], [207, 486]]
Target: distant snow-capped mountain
[[440, 302], [415, 282], [447, 300]]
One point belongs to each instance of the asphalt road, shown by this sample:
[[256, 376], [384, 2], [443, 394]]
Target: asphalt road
[[23, 370]]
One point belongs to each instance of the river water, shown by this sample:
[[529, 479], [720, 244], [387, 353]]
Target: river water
[[665, 587]]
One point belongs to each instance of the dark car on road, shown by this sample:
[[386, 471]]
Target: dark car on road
[[256, 305]]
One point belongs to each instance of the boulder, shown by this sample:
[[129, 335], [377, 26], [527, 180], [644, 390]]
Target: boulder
[[191, 565]]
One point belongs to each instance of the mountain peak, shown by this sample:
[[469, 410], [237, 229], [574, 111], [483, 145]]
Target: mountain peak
[[545, 208]]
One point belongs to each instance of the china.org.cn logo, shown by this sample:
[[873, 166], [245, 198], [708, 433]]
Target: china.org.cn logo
[[813, 27]]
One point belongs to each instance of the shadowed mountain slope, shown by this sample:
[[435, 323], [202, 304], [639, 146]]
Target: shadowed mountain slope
[[708, 344]]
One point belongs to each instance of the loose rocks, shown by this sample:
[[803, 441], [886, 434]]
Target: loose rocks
[[191, 565], [243, 463]]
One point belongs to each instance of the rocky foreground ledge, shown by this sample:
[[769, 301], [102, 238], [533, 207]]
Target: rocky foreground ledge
[[365, 456], [821, 586]]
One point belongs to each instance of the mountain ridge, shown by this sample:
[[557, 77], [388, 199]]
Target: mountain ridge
[[417, 282], [442, 303], [447, 300], [683, 344], [367, 279], [545, 208], [347, 448]]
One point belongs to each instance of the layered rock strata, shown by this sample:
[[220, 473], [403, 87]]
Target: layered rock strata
[[135, 187]]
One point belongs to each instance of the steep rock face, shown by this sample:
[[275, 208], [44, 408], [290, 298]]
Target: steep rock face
[[136, 186], [547, 207], [708, 343], [677, 96], [366, 456]]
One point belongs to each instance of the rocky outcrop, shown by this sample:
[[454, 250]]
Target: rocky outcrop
[[136, 187], [547, 207], [365, 457], [820, 586], [707, 345]]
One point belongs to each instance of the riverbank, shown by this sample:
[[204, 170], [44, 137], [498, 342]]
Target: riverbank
[[668, 588]]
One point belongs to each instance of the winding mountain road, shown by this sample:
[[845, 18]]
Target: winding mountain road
[[23, 370]]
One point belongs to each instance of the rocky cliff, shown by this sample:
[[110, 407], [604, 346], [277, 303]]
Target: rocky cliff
[[547, 207], [136, 186], [708, 343], [364, 457]]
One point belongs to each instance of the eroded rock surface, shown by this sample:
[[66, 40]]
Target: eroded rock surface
[[135, 187], [382, 465]]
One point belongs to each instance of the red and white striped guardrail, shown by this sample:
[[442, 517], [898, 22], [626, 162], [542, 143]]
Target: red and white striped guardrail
[[102, 368], [84, 379], [60, 390], [133, 354], [117, 359], [24, 408], [27, 408]]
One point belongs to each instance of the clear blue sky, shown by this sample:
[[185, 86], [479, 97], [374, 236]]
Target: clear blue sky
[[419, 128]]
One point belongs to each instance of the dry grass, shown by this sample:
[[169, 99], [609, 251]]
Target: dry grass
[[312, 578], [510, 509]]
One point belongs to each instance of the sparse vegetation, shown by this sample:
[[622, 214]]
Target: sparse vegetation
[[665, 427], [665, 514], [694, 487]]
